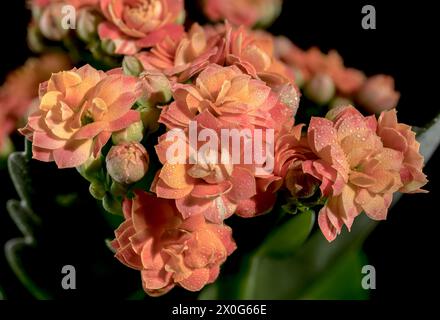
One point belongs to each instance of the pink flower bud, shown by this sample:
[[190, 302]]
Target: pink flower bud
[[378, 94], [320, 89], [51, 22], [157, 87], [127, 163]]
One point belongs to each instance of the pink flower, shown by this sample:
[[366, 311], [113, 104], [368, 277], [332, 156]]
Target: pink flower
[[243, 12], [400, 137], [357, 171], [133, 25], [79, 109], [230, 96], [183, 55], [253, 52], [307, 64], [21, 88], [221, 98], [378, 94], [168, 250], [201, 184]]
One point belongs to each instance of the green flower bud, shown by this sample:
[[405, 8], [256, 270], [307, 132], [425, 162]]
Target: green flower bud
[[112, 205], [133, 133], [150, 116], [87, 24], [339, 102], [92, 169], [132, 66], [108, 46], [97, 190]]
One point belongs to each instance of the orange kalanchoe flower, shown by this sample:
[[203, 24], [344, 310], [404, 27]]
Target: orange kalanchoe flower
[[168, 250], [78, 111], [243, 12], [358, 168], [21, 88], [201, 184], [254, 53], [182, 55], [230, 95], [400, 137], [136, 24]]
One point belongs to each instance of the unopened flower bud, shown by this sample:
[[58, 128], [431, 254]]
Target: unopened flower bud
[[320, 89], [91, 170], [378, 94], [157, 87], [108, 46], [133, 133], [35, 39], [111, 204], [51, 22], [150, 118], [132, 66], [271, 11], [97, 190], [87, 24], [340, 102], [127, 163]]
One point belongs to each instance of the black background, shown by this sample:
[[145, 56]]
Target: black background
[[404, 248]]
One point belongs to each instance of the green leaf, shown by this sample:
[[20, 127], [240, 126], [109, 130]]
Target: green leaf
[[18, 164], [289, 236], [23, 217], [342, 281], [2, 294], [14, 250]]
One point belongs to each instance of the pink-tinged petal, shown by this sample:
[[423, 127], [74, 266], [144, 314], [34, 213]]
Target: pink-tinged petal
[[328, 230], [225, 235], [244, 185], [393, 139], [190, 206], [198, 279], [156, 279], [90, 131], [361, 179], [125, 46], [100, 141], [213, 274], [158, 35], [132, 116], [220, 209], [374, 205], [45, 141], [175, 176], [42, 154], [259, 204], [210, 191], [74, 153], [164, 191]]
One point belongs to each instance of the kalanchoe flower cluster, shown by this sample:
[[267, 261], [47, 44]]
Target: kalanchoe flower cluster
[[325, 79], [177, 92]]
